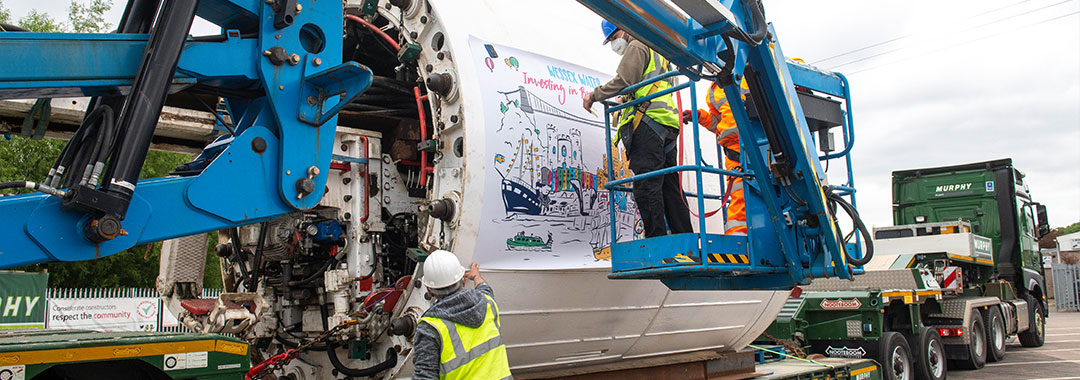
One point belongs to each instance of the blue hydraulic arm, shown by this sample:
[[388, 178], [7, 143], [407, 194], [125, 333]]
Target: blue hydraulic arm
[[280, 71], [793, 235]]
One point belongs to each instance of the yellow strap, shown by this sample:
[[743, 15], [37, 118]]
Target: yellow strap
[[638, 113]]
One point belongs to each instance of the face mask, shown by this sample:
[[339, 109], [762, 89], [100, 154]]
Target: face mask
[[619, 46]]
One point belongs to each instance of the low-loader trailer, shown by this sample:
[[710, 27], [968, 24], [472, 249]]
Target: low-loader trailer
[[957, 276]]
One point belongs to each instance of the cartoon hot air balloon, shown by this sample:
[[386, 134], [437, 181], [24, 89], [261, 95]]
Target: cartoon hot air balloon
[[511, 62], [490, 64]]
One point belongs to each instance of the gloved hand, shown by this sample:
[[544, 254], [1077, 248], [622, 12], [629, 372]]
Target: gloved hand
[[687, 117]]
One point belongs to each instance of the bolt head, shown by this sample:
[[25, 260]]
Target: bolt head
[[317, 61], [294, 59], [299, 8], [313, 171]]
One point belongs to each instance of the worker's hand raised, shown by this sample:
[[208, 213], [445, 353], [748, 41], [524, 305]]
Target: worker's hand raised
[[587, 102], [474, 270]]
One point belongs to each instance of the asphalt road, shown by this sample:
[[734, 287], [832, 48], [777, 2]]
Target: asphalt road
[[1058, 359]]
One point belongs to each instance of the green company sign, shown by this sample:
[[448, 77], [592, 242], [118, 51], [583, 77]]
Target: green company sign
[[22, 300]]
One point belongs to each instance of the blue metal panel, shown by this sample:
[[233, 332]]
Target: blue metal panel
[[231, 14], [241, 186]]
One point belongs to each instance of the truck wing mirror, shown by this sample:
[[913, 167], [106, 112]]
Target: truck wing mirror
[[1044, 223]]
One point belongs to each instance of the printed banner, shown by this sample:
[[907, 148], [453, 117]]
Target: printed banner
[[548, 208], [104, 314], [22, 300]]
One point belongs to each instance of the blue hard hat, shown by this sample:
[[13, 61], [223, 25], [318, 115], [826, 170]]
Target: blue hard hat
[[608, 28]]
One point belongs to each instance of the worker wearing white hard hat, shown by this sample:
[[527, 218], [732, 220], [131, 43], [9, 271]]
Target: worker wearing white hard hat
[[458, 337]]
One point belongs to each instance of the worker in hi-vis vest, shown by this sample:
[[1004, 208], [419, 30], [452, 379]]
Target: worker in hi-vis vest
[[458, 337], [648, 131], [719, 120]]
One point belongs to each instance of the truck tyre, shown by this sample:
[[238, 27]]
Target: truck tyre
[[1036, 334], [929, 354], [995, 334], [976, 348], [894, 354]]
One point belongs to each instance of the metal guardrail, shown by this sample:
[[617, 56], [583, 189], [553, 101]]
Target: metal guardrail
[[1066, 287]]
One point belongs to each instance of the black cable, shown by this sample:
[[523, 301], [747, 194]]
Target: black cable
[[313, 276], [257, 261], [213, 111], [836, 199], [390, 362], [32, 186]]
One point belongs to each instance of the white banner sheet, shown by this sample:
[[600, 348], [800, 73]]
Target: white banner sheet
[[548, 208], [104, 314]]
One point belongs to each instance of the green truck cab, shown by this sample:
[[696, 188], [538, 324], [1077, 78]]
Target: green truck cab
[[993, 197]]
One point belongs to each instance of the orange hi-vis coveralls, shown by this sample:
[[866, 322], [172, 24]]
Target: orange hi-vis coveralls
[[720, 121]]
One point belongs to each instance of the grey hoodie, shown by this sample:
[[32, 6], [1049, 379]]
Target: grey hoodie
[[466, 307]]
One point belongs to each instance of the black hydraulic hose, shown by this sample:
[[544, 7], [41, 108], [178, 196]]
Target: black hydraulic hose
[[761, 28], [253, 283], [390, 362], [857, 220], [326, 265], [32, 186]]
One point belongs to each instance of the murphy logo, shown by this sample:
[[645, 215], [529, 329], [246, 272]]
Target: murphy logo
[[953, 187], [840, 304], [845, 352]]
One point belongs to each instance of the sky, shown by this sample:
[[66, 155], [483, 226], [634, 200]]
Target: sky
[[934, 83]]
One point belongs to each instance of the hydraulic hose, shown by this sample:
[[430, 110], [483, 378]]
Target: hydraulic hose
[[33, 186], [836, 199], [390, 362], [761, 28]]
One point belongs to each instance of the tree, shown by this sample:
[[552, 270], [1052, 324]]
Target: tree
[[40, 22], [5, 14], [89, 18]]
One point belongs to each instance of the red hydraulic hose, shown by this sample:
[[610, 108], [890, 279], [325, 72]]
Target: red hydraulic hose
[[424, 168], [678, 101], [376, 30]]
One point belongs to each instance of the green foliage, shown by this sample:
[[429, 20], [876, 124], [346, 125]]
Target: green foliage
[[40, 22], [1075, 227], [5, 14], [25, 159], [89, 18]]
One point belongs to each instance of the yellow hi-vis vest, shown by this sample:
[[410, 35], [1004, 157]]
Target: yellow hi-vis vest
[[661, 109], [472, 353]]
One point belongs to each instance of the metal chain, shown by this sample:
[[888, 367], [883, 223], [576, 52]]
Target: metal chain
[[796, 350], [260, 370]]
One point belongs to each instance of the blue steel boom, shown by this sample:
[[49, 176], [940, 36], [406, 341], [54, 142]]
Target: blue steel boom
[[284, 82]]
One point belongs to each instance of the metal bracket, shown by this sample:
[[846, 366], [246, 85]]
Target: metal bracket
[[342, 83]]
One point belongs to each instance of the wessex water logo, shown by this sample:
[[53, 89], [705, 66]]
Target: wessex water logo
[[953, 187], [845, 352]]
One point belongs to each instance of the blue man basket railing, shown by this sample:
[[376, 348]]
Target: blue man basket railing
[[709, 260]]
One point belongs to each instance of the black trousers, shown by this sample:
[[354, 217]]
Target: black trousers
[[658, 199]]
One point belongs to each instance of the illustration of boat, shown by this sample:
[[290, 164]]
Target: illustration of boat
[[518, 198], [523, 241]]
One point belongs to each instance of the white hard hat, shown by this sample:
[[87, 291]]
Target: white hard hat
[[442, 269]]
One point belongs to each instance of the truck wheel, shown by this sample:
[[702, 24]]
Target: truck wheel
[[1036, 334], [929, 354], [976, 348], [995, 334], [894, 354]]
